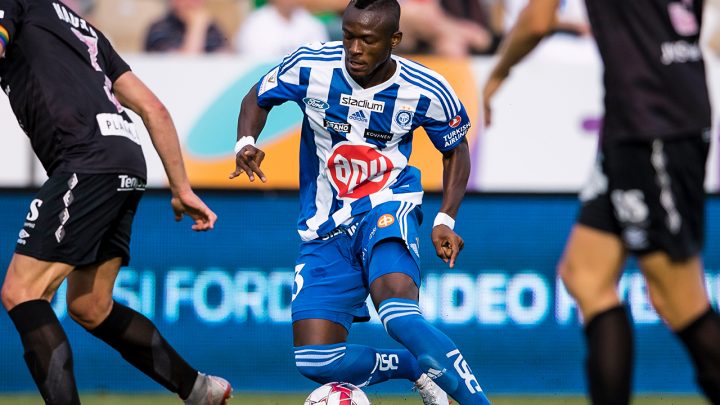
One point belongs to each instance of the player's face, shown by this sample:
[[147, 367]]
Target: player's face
[[368, 44]]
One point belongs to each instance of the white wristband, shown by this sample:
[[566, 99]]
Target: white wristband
[[243, 142], [444, 219]]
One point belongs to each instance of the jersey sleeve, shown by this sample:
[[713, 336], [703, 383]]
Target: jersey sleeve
[[11, 15], [446, 121], [280, 84], [115, 66]]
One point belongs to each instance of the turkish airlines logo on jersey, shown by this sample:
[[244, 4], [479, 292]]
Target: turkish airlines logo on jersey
[[358, 170], [455, 121]]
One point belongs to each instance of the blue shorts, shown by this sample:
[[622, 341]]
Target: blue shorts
[[332, 277]]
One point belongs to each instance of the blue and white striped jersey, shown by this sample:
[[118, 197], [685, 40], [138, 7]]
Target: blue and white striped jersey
[[356, 142]]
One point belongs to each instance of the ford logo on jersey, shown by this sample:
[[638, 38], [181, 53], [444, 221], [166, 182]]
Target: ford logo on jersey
[[315, 103]]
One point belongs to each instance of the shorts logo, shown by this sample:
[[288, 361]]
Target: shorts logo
[[385, 220], [455, 122], [59, 234], [22, 236], [337, 126], [129, 183], [404, 119], [64, 216], [316, 104], [357, 171], [34, 213]]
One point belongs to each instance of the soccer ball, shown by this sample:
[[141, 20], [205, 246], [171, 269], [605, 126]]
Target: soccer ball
[[337, 393]]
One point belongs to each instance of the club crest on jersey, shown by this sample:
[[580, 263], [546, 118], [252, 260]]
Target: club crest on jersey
[[455, 122], [358, 116], [357, 171], [404, 119], [337, 126], [385, 220], [370, 105], [316, 104]]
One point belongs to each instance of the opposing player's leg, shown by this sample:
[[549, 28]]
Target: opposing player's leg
[[677, 291], [394, 277], [135, 337], [27, 290], [329, 295], [590, 269]]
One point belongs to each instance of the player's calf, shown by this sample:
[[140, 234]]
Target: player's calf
[[356, 364], [437, 355]]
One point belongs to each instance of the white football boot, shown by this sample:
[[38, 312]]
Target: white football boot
[[209, 390], [430, 392]]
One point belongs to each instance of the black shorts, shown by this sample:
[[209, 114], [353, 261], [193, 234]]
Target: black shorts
[[651, 194], [81, 219]]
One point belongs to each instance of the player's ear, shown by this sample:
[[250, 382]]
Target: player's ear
[[396, 39]]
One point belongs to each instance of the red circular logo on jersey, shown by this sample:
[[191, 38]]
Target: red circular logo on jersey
[[455, 121], [358, 170]]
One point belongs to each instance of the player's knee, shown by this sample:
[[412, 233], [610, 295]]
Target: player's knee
[[319, 363], [89, 310], [14, 294]]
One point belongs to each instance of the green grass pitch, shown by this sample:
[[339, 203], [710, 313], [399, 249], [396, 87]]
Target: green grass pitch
[[276, 399]]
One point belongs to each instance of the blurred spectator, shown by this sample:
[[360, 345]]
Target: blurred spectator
[[426, 26], [278, 28], [425, 22], [481, 12], [188, 28], [571, 16]]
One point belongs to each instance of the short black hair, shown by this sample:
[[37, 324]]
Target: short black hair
[[390, 8]]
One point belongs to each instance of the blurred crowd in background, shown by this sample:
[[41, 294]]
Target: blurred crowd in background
[[269, 29]]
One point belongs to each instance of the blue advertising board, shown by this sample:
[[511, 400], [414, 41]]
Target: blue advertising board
[[223, 297]]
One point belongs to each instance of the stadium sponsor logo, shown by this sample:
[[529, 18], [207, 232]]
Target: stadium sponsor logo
[[404, 119], [357, 171], [358, 116], [69, 17], [455, 122], [456, 135], [115, 125], [34, 213], [316, 104], [370, 105], [385, 220], [378, 135], [337, 126]]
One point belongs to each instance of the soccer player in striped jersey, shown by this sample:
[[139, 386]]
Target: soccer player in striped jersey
[[360, 201]]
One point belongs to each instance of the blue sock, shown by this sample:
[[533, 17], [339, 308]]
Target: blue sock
[[436, 353], [356, 364]]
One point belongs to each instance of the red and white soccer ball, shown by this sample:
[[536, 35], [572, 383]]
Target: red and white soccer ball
[[337, 393]]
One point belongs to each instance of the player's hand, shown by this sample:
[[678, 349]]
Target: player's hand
[[447, 244], [190, 204], [491, 87], [248, 160]]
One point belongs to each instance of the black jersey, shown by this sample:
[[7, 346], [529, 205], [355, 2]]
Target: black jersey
[[58, 72], [654, 72]]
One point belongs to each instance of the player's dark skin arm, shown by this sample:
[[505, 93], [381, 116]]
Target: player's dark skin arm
[[456, 172], [251, 121]]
